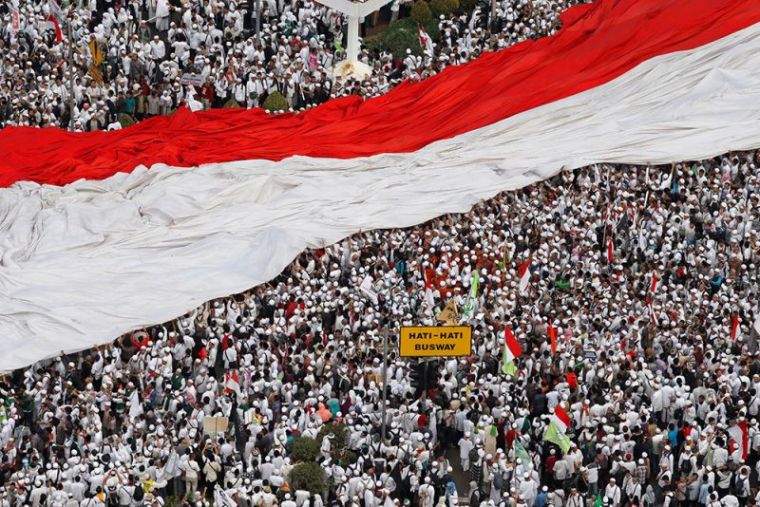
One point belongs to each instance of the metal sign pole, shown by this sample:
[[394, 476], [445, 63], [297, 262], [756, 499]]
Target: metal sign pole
[[385, 381]]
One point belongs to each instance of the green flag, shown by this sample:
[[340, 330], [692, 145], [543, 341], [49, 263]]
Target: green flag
[[508, 367], [522, 454], [469, 306], [598, 502], [555, 436]]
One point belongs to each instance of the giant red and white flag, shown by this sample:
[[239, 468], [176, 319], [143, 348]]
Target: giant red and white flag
[[103, 233]]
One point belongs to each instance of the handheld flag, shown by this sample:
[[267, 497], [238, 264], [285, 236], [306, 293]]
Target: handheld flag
[[521, 454], [610, 251], [231, 382], [735, 326], [469, 306], [523, 273], [449, 313], [425, 41], [552, 332], [512, 351], [555, 432], [653, 285], [57, 27], [572, 380]]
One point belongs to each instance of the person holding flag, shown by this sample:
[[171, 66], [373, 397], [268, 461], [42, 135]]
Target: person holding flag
[[556, 430], [512, 350]]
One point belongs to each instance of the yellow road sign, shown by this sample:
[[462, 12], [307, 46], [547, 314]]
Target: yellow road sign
[[441, 341]]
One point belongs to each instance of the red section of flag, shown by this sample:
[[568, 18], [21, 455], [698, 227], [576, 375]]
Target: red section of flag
[[572, 380], [512, 344], [523, 269], [560, 413], [56, 27], [610, 251], [735, 320], [597, 43], [653, 285]]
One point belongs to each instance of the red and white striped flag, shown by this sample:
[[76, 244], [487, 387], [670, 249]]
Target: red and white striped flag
[[523, 273], [514, 350], [425, 41], [653, 285], [561, 419], [736, 331], [622, 96], [232, 382]]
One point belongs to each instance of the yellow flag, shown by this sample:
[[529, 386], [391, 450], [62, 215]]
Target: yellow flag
[[449, 315], [96, 52], [96, 75]]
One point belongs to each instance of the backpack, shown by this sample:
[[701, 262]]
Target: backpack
[[139, 494], [738, 486], [498, 481]]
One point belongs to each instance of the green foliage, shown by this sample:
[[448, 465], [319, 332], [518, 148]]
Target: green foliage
[[231, 103], [126, 120], [421, 12], [467, 6], [439, 7], [401, 35], [305, 449], [347, 458], [276, 102], [309, 477], [339, 431]]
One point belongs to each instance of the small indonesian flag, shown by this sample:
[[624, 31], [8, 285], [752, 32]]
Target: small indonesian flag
[[739, 434], [523, 272], [425, 41], [57, 27], [610, 251], [513, 346], [652, 315], [561, 419], [552, 332], [735, 326], [232, 382]]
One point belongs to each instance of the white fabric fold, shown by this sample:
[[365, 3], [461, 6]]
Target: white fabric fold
[[82, 264]]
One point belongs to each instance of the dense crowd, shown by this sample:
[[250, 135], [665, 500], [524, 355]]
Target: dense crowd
[[129, 56], [648, 275]]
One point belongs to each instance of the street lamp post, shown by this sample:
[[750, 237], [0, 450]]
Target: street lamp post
[[353, 11]]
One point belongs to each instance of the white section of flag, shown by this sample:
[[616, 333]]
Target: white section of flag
[[561, 419], [84, 263]]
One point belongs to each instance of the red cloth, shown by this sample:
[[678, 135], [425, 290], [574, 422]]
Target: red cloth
[[598, 43]]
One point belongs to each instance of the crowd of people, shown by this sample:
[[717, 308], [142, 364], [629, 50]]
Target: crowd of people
[[645, 277], [142, 58]]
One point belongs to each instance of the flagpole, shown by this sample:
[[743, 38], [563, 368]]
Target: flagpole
[[385, 381], [71, 75], [258, 21]]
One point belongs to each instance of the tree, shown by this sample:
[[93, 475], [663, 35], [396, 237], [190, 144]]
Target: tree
[[275, 102], [338, 431], [309, 477], [421, 12], [305, 449]]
